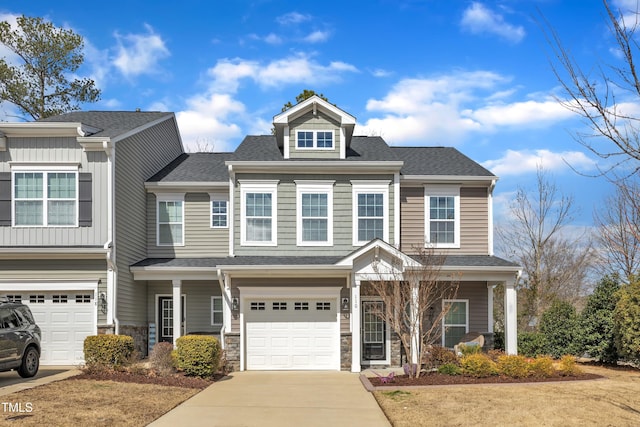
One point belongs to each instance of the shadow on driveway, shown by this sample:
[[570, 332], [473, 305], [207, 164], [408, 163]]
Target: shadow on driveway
[[10, 378]]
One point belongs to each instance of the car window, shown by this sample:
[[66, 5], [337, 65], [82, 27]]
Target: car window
[[8, 320], [24, 316]]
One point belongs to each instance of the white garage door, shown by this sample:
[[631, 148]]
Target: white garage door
[[292, 334], [66, 318]]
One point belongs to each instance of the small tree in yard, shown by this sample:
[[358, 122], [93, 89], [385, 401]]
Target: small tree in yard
[[559, 325], [627, 322], [412, 294], [596, 321]]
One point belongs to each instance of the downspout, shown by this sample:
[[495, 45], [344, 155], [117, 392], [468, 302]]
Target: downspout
[[112, 285], [225, 307], [231, 210], [490, 219]]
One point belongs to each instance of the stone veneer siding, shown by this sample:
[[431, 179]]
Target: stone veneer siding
[[345, 351], [232, 351], [140, 336]]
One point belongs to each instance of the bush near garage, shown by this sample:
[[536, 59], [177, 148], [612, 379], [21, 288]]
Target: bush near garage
[[198, 355], [107, 351]]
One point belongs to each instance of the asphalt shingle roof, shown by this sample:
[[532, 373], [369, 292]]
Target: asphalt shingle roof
[[438, 161], [195, 167], [111, 123], [242, 260]]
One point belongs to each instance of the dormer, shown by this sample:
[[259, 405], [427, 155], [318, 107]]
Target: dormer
[[314, 129]]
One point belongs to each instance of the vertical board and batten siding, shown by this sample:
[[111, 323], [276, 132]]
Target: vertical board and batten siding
[[137, 158], [474, 220], [59, 150], [320, 122], [287, 221], [198, 303], [270, 283], [201, 240], [56, 270]]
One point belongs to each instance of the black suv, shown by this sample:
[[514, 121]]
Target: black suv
[[19, 339]]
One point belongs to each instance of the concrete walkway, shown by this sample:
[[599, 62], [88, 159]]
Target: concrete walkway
[[280, 399], [10, 381]]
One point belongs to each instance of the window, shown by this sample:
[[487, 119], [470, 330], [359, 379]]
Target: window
[[14, 298], [83, 299], [443, 216], [374, 331], [257, 306], [279, 306], [216, 311], [315, 213], [323, 306], [371, 212], [455, 323], [59, 299], [36, 299], [259, 213], [219, 211], [45, 198], [314, 139], [301, 306], [171, 220]]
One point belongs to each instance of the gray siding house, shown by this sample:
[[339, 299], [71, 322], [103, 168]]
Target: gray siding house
[[73, 219], [271, 247]]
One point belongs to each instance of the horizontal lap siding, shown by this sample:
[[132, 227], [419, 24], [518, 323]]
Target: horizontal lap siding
[[200, 239], [138, 158], [474, 221], [412, 218], [476, 293], [321, 122]]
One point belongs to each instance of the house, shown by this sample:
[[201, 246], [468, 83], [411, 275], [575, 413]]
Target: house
[[73, 218], [270, 247]]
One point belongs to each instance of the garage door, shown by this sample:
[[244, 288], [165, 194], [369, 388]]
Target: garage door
[[66, 318], [292, 334]]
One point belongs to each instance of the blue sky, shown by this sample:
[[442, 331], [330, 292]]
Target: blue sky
[[470, 74]]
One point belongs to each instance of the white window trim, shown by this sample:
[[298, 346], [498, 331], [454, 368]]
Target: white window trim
[[253, 186], [221, 311], [448, 301], [314, 187], [387, 343], [315, 140], [449, 191], [218, 197], [169, 197], [370, 187], [45, 170]]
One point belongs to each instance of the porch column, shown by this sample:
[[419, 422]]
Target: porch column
[[490, 288], [177, 310], [510, 317], [415, 325], [355, 325]]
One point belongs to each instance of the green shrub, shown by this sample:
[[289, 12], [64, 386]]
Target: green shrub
[[513, 366], [198, 355], [627, 322], [596, 323], [161, 358], [437, 356], [478, 365], [449, 369], [498, 340], [559, 324], [467, 349], [532, 344], [542, 367], [568, 366], [107, 351]]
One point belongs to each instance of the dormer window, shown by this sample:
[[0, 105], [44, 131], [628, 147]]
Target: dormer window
[[314, 139]]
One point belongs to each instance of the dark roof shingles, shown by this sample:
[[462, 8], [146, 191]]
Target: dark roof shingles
[[110, 123]]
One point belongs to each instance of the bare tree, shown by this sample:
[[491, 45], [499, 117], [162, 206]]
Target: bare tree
[[555, 263], [605, 98], [618, 235], [411, 296]]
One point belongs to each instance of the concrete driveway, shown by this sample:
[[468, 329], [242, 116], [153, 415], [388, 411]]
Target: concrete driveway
[[280, 399], [11, 382]]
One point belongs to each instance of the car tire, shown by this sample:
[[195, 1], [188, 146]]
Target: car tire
[[30, 363]]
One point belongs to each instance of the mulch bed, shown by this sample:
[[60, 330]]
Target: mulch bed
[[174, 380], [434, 378]]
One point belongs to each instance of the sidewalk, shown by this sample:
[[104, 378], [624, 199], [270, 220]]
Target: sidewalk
[[253, 398]]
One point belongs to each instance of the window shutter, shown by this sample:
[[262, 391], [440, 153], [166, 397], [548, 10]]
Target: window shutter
[[85, 200], [5, 199]]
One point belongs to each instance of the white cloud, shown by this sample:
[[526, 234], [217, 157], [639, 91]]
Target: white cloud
[[628, 10], [273, 39], [520, 113], [478, 19], [207, 118], [379, 72], [5, 52], [228, 73], [139, 54], [527, 161], [317, 37], [292, 18]]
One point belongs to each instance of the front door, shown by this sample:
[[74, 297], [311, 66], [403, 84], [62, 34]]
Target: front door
[[165, 318], [374, 331]]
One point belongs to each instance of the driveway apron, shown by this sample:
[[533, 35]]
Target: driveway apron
[[258, 398]]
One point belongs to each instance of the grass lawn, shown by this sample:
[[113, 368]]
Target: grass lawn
[[91, 403], [614, 401]]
